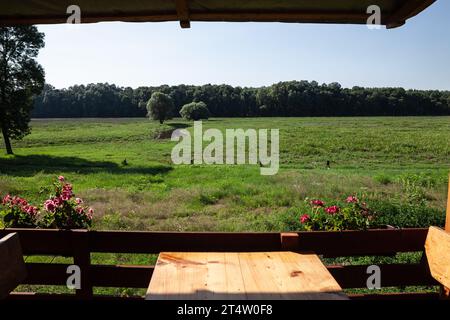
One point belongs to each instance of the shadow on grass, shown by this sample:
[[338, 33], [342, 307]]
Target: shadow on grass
[[31, 164], [179, 125]]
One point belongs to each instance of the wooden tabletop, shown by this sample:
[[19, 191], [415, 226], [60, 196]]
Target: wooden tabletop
[[231, 275]]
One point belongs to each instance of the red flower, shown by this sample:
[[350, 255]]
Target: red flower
[[31, 210], [352, 199], [332, 210], [318, 203], [49, 205], [6, 199], [65, 196], [305, 218]]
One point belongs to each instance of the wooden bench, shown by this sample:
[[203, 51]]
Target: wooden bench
[[12, 265], [437, 249]]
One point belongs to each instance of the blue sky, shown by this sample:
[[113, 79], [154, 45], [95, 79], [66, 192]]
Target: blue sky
[[416, 55]]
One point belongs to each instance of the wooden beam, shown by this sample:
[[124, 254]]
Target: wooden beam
[[447, 219], [189, 15], [445, 291], [183, 13], [408, 10]]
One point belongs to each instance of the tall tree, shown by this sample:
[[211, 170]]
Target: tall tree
[[21, 77], [160, 107]]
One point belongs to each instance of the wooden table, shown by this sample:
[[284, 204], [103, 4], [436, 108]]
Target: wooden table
[[231, 275]]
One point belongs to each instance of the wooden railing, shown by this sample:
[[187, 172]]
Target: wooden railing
[[79, 244]]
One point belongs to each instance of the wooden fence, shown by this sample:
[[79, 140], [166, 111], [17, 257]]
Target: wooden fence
[[79, 244]]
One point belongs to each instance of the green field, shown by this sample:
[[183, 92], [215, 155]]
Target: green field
[[400, 165], [387, 160]]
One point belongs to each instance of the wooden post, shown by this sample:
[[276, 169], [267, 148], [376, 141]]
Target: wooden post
[[445, 292], [12, 266], [183, 13], [447, 217], [289, 241], [82, 258]]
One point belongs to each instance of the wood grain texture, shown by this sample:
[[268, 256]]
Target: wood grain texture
[[437, 248], [242, 276]]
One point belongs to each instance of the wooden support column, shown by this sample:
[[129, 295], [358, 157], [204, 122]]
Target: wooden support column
[[289, 241], [447, 217], [183, 13], [445, 291], [82, 258]]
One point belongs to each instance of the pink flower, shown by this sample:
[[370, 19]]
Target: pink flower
[[18, 201], [80, 210], [90, 213], [332, 210], [6, 199], [61, 178], [49, 205], [78, 200], [318, 203], [304, 218], [30, 210], [65, 196], [352, 199], [57, 201]]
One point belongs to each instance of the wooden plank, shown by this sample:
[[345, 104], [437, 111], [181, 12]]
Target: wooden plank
[[392, 275], [46, 274], [256, 275], [12, 266], [447, 216], [357, 243], [437, 248], [121, 276], [156, 242], [131, 276], [43, 241]]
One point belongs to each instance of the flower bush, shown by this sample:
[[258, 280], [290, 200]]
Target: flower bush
[[62, 210], [352, 214], [17, 213], [65, 211]]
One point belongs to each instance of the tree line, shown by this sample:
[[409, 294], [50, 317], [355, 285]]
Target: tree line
[[283, 99]]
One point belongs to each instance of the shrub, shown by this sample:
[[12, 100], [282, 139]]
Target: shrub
[[195, 111], [159, 107], [64, 211], [408, 215], [351, 215], [17, 213], [61, 210]]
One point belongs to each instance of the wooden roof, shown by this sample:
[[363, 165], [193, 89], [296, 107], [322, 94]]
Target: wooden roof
[[394, 12]]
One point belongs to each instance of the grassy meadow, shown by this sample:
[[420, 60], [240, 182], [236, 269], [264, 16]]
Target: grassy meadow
[[399, 165], [386, 160]]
